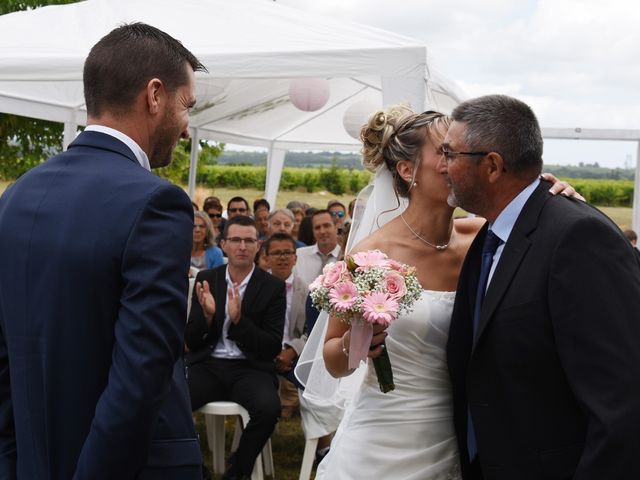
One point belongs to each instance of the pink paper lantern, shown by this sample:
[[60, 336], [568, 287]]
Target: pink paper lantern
[[309, 94], [357, 115]]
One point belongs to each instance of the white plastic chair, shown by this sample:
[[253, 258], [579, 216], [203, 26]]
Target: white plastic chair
[[308, 457], [215, 413]]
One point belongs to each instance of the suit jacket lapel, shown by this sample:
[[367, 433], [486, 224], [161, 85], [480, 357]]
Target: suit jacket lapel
[[512, 255], [253, 287]]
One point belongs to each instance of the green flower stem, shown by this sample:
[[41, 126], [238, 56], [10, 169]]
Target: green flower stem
[[384, 373]]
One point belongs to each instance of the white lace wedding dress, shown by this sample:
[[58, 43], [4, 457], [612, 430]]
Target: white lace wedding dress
[[406, 434]]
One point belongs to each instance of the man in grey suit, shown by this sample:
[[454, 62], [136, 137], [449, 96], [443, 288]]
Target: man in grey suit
[[280, 251]]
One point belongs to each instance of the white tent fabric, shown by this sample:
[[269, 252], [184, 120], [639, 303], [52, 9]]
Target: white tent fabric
[[253, 49]]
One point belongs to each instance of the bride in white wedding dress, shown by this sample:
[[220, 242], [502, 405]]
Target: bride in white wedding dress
[[407, 433]]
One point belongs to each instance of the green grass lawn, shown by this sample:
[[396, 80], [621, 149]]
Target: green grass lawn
[[620, 215]]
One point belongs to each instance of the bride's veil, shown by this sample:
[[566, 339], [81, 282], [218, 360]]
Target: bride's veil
[[325, 397]]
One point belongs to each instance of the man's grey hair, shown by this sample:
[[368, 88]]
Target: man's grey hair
[[284, 211], [502, 124]]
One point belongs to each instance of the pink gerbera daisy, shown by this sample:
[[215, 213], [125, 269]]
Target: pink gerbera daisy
[[343, 296], [379, 307], [370, 259]]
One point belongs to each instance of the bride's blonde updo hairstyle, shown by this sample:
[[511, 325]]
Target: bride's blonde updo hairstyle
[[398, 134]]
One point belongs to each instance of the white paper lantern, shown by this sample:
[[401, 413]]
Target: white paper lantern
[[309, 94], [357, 115]]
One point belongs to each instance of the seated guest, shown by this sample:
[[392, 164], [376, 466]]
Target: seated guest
[[338, 212], [311, 260], [280, 250], [632, 237], [237, 206], [281, 221], [213, 208], [233, 333], [204, 252], [633, 240], [295, 204], [350, 212], [305, 232], [298, 215], [262, 222], [261, 259], [261, 203]]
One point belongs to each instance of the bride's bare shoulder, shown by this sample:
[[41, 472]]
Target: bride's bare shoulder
[[378, 240]]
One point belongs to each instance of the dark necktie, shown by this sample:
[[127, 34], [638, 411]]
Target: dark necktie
[[489, 247]]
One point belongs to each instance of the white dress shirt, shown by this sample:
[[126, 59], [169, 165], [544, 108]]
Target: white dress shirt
[[506, 220], [227, 348], [127, 140], [311, 261]]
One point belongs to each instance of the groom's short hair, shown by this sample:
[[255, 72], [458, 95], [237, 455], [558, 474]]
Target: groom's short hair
[[121, 64]]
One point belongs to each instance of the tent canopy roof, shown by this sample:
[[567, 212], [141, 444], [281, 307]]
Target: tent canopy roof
[[252, 49]]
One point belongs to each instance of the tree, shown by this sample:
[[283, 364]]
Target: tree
[[26, 142], [178, 170], [8, 6]]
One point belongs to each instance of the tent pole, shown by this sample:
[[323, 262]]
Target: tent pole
[[275, 164], [70, 132], [193, 165], [635, 219]]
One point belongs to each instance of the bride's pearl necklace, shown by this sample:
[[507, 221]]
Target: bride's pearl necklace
[[437, 247]]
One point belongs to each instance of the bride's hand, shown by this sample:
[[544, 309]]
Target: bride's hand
[[379, 335], [561, 187]]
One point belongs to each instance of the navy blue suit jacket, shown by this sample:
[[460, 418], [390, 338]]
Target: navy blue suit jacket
[[93, 286]]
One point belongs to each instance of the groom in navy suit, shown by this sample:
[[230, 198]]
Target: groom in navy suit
[[93, 282], [543, 346]]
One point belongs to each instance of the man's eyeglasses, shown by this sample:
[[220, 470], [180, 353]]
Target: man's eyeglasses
[[450, 155], [338, 214], [215, 215], [281, 253], [238, 240], [237, 210]]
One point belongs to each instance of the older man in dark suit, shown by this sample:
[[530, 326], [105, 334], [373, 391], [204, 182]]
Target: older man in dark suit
[[233, 334], [93, 282], [543, 346]]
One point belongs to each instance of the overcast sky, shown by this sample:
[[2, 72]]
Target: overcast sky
[[577, 63]]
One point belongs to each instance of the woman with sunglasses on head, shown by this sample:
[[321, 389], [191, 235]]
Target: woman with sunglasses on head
[[213, 208], [407, 433]]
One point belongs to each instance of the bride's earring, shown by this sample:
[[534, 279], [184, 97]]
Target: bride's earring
[[415, 183]]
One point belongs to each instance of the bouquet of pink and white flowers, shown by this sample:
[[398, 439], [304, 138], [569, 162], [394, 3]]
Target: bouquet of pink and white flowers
[[365, 289]]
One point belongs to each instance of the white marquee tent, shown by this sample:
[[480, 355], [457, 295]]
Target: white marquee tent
[[253, 50]]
